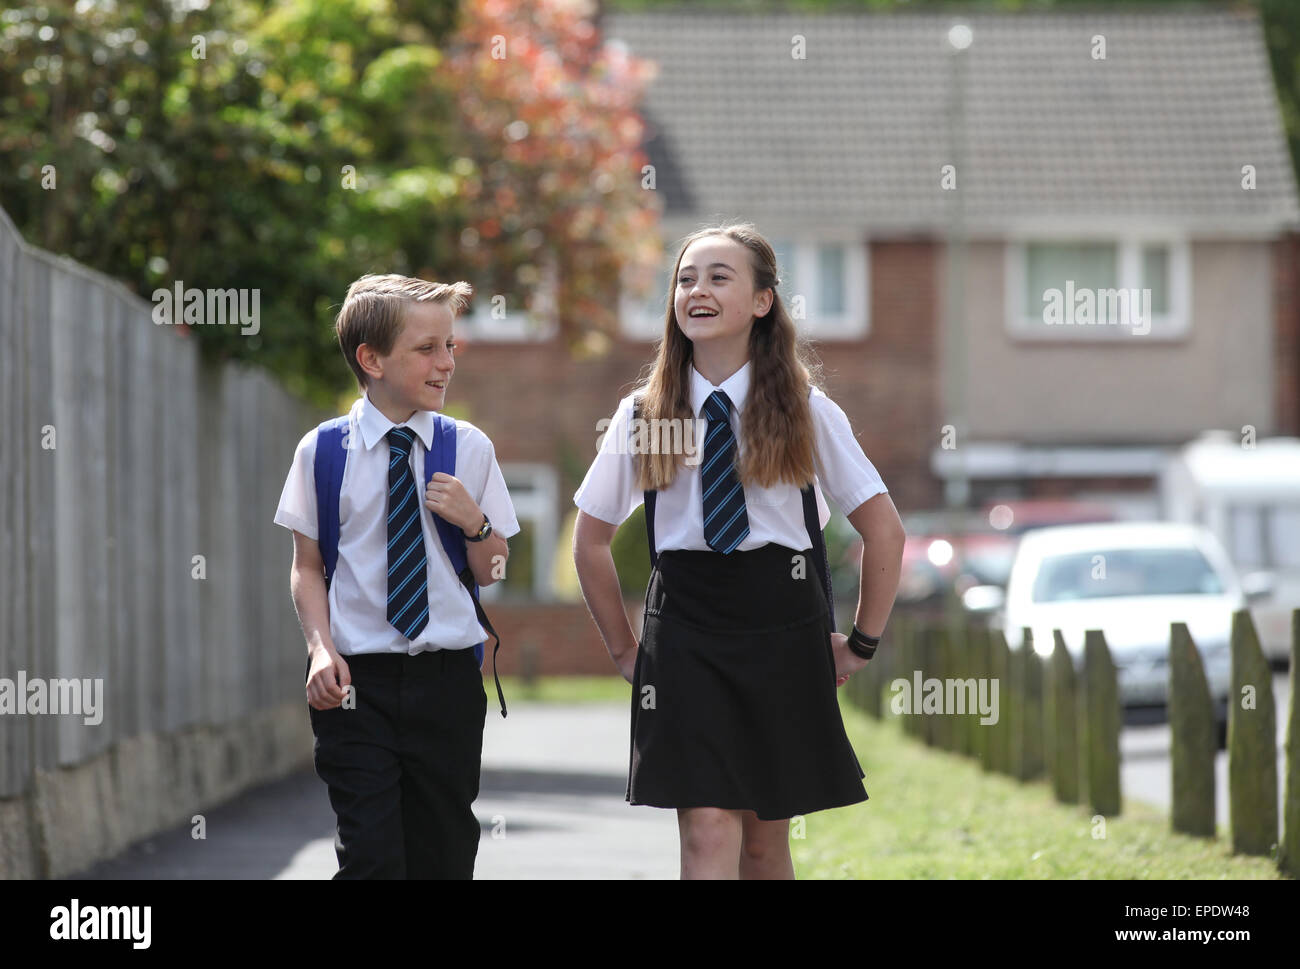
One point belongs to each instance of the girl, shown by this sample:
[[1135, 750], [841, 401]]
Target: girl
[[734, 716]]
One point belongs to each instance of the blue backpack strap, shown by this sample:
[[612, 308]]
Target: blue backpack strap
[[442, 457], [327, 469]]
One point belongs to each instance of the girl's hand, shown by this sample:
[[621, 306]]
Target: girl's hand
[[847, 662], [627, 663], [447, 498]]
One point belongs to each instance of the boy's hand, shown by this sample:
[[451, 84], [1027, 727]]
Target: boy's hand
[[329, 674], [447, 498]]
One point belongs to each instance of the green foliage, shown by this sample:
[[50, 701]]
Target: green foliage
[[631, 551], [289, 146]]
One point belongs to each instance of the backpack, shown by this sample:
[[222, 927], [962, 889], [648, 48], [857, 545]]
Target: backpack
[[332, 455], [810, 519]]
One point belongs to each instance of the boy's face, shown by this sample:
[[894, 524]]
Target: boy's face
[[416, 373], [715, 274]]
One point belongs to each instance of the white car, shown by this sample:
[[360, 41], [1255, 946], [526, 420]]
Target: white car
[[1131, 580]]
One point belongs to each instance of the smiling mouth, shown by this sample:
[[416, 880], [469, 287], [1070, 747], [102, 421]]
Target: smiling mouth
[[700, 313], [440, 384]]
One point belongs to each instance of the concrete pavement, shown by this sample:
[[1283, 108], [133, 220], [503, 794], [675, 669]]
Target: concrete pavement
[[551, 805]]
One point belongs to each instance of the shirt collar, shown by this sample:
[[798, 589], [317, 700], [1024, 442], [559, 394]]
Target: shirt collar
[[374, 425], [736, 387]]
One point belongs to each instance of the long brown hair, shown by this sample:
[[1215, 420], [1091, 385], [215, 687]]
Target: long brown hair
[[776, 425]]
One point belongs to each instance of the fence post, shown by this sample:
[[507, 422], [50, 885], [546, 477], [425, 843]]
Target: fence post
[[1100, 725], [963, 670], [1252, 744], [944, 727], [1032, 747], [1000, 669], [981, 648], [1011, 711], [1062, 722], [1191, 742], [1289, 856]]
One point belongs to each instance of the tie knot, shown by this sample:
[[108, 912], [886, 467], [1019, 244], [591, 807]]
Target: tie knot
[[718, 407], [400, 439]]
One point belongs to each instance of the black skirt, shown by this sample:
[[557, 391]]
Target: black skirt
[[734, 699]]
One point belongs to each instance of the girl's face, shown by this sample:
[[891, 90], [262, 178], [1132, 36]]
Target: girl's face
[[715, 282]]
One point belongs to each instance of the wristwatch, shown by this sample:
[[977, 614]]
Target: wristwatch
[[484, 531]]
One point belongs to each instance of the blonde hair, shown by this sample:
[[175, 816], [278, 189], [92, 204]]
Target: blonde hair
[[776, 425], [372, 312]]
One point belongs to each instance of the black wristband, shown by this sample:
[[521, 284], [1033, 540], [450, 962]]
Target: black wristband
[[862, 645]]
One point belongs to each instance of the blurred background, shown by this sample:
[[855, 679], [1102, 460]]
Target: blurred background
[[928, 173]]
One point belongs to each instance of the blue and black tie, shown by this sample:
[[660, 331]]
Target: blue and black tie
[[408, 583], [725, 522]]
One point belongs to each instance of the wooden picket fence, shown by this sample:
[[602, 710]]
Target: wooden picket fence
[[1062, 725]]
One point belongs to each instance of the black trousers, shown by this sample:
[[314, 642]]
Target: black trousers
[[403, 766]]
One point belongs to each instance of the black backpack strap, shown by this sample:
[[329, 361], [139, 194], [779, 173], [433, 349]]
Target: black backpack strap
[[650, 526], [649, 497], [812, 521], [467, 580], [820, 561]]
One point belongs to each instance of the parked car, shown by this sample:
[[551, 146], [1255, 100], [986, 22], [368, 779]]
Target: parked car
[[944, 550], [1131, 580]]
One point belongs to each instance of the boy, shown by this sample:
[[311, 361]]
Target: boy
[[401, 758]]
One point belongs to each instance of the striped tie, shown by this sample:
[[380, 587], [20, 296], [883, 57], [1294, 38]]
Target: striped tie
[[408, 583], [725, 522]]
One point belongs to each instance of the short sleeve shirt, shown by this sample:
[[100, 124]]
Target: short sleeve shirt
[[358, 594], [843, 471]]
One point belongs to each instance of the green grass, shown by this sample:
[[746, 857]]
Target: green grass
[[932, 814], [561, 689]]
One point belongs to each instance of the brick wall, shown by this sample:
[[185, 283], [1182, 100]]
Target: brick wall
[[549, 639]]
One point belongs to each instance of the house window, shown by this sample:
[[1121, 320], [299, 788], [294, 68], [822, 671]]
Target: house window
[[824, 286], [1098, 289], [822, 282], [496, 315], [533, 492]]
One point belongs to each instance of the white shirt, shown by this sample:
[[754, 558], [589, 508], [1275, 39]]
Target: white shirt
[[609, 491], [358, 594]]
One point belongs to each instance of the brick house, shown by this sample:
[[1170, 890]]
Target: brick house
[[1096, 150]]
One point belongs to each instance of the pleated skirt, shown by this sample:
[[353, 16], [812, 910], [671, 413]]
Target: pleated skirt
[[734, 699]]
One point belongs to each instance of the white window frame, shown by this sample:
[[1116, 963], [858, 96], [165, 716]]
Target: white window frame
[[853, 324], [534, 508], [520, 325], [1170, 326]]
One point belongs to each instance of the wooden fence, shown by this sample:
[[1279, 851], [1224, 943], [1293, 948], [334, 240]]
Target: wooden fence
[[137, 488], [1061, 725]]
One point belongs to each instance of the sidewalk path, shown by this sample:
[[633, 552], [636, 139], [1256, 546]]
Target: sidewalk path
[[551, 805]]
